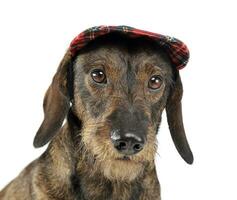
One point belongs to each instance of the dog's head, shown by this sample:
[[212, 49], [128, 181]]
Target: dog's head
[[118, 87]]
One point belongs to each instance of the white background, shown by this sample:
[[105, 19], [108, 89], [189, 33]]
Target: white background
[[34, 36]]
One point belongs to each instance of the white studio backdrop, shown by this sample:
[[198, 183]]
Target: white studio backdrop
[[34, 36]]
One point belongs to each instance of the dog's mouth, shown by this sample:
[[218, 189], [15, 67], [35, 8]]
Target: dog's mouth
[[124, 158]]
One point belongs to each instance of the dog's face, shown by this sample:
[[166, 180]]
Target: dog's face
[[120, 93], [121, 87]]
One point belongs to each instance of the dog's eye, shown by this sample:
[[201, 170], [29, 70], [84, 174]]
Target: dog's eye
[[155, 82], [98, 76]]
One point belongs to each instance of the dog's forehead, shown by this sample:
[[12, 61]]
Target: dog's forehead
[[124, 54]]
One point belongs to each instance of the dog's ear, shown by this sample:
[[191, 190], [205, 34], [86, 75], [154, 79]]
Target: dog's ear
[[56, 104], [175, 120]]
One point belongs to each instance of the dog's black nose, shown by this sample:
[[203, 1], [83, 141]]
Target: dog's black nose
[[129, 144]]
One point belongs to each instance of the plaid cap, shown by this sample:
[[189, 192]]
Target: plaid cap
[[176, 49]]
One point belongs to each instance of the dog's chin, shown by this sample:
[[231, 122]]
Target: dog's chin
[[122, 169]]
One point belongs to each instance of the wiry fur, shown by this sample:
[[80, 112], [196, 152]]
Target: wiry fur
[[81, 162]]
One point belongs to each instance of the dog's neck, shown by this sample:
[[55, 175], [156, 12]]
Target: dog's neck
[[78, 175]]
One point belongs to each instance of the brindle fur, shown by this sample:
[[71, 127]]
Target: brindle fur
[[80, 162]]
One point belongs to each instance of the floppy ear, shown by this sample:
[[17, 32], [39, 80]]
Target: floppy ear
[[175, 121], [56, 104]]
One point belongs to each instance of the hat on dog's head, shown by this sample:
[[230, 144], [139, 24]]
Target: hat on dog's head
[[176, 49]]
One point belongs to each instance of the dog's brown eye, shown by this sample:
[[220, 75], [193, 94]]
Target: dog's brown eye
[[155, 82], [98, 76]]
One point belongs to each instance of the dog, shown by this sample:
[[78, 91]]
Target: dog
[[102, 113]]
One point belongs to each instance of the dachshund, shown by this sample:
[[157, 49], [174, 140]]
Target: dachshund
[[102, 113]]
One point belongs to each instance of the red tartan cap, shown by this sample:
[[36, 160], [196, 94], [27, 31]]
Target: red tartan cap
[[176, 49]]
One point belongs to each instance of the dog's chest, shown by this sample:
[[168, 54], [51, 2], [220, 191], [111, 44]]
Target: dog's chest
[[100, 190]]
